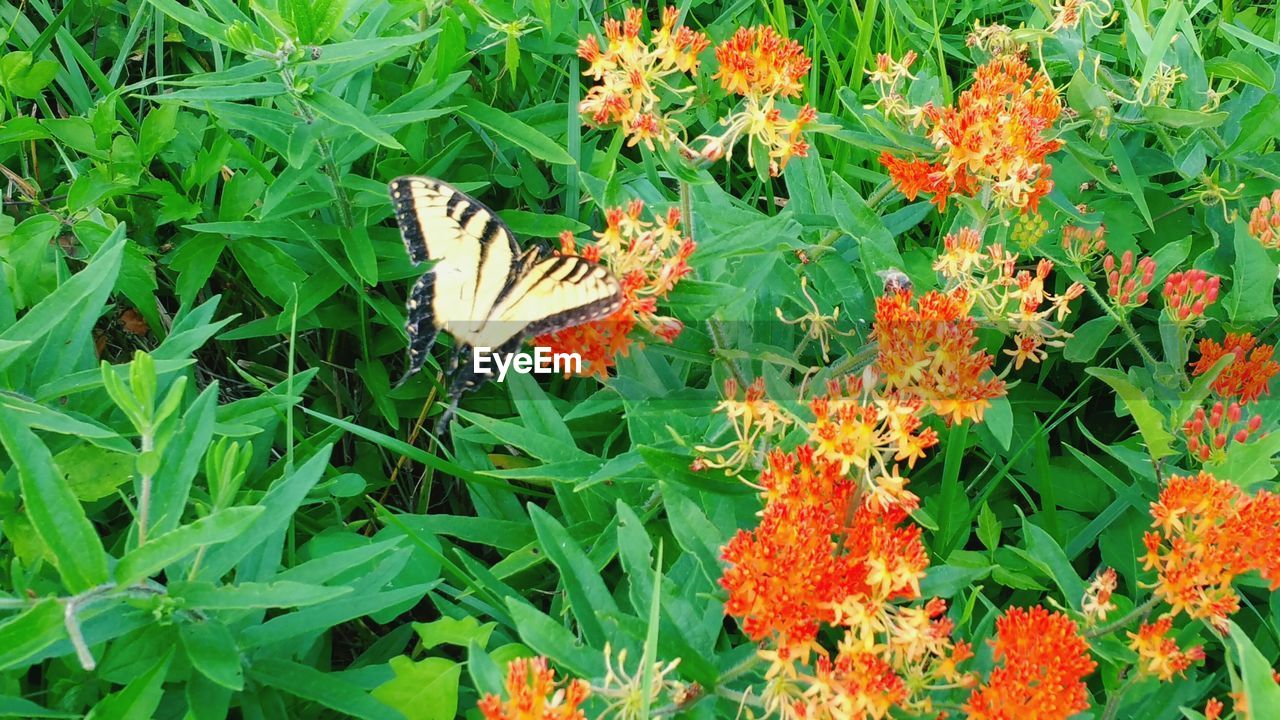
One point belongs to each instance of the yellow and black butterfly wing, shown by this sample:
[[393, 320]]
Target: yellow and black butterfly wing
[[474, 256], [551, 294]]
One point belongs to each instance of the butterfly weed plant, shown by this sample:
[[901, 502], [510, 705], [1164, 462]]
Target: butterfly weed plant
[[938, 385]]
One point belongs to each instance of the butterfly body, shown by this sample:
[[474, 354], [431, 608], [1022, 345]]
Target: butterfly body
[[481, 288]]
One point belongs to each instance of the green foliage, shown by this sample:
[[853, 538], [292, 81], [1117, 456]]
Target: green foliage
[[214, 503]]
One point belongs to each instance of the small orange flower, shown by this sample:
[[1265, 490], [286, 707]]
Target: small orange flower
[[1126, 288], [1188, 294], [1213, 709], [1208, 435], [1159, 654], [758, 61], [927, 348], [1248, 376], [649, 259], [1045, 662], [1264, 221], [533, 694], [1097, 597], [1082, 245]]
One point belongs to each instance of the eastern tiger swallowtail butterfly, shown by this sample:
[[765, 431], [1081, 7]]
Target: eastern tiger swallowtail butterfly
[[480, 288]]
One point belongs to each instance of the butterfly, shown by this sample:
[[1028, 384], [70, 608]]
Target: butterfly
[[481, 288]]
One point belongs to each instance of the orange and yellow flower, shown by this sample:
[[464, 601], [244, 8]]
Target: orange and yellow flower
[[1159, 654], [534, 694], [1011, 300], [1045, 661], [756, 62], [927, 347], [1248, 376], [762, 66], [649, 258], [631, 74], [1206, 533], [996, 135]]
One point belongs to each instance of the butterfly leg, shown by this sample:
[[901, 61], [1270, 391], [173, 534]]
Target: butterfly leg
[[421, 325]]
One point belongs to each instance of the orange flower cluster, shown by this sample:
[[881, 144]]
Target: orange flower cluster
[[1209, 434], [755, 420], [927, 348], [1011, 300], [649, 258], [533, 694], [762, 66], [823, 557], [1264, 221], [630, 74], [1045, 662], [1097, 597], [1126, 288], [871, 434], [1159, 654], [1248, 376], [1188, 294], [996, 135], [758, 62], [1082, 245], [1208, 532]]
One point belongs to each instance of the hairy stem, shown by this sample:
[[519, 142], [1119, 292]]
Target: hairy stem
[[1134, 614]]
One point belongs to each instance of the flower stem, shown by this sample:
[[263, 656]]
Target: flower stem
[[1130, 334], [1139, 611], [144, 491]]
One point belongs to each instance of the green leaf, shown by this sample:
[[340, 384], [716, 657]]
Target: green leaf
[[1254, 277], [190, 18], [424, 690], [340, 111], [1150, 422], [22, 708], [1087, 339], [93, 472], [313, 20], [1044, 551], [254, 596], [453, 631], [1250, 463], [55, 512], [1178, 118], [1260, 689], [25, 635], [212, 650], [547, 637], [1258, 126], [510, 128], [946, 581], [26, 77], [589, 597], [327, 689], [138, 699], [1120, 155], [160, 552]]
